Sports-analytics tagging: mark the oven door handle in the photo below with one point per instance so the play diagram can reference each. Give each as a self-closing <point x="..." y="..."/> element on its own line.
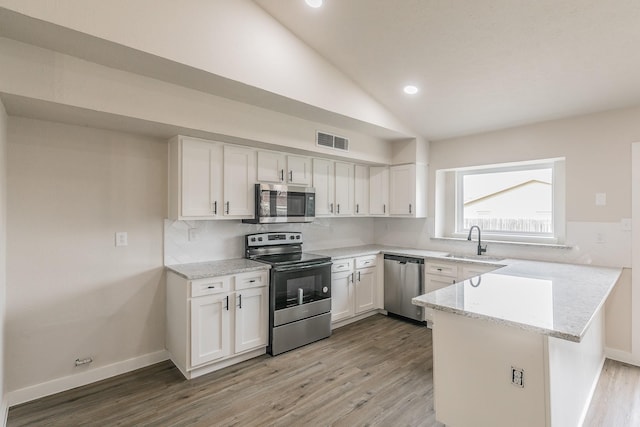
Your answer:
<point x="302" y="267"/>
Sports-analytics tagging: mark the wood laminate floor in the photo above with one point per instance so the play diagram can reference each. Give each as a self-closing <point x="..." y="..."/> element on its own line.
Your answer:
<point x="376" y="372"/>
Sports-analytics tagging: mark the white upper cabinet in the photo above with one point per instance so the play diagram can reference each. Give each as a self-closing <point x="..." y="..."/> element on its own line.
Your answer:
<point x="284" y="169"/>
<point x="361" y="190"/>
<point x="299" y="170"/>
<point x="407" y="194"/>
<point x="323" y="181"/>
<point x="271" y="167"/>
<point x="345" y="188"/>
<point x="379" y="190"/>
<point x="195" y="178"/>
<point x="239" y="181"/>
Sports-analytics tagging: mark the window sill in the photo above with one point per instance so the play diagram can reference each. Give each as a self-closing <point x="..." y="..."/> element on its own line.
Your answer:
<point x="506" y="242"/>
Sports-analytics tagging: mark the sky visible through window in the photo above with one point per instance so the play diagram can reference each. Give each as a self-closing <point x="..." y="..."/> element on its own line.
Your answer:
<point x="509" y="201"/>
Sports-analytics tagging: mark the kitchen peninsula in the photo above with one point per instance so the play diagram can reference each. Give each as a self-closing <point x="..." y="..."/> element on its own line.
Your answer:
<point x="522" y="345"/>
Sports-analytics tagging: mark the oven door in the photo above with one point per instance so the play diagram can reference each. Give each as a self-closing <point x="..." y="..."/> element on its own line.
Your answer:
<point x="300" y="291"/>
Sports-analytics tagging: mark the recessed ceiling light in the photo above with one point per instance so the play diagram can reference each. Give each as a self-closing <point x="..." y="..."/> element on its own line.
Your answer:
<point x="314" y="3"/>
<point x="410" y="90"/>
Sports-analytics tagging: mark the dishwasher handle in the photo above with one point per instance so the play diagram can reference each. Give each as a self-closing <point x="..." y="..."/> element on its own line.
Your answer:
<point x="403" y="259"/>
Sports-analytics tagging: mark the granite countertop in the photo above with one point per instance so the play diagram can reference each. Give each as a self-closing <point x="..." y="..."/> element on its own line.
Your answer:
<point x="355" y="251"/>
<point x="201" y="270"/>
<point x="559" y="300"/>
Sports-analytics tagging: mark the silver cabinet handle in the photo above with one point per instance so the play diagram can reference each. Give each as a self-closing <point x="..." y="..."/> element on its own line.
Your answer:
<point x="331" y="207"/>
<point x="353" y="277"/>
<point x="338" y="208"/>
<point x="281" y="175"/>
<point x="357" y="208"/>
<point x="290" y="176"/>
<point x="409" y="207"/>
<point x="240" y="299"/>
<point x="384" y="208"/>
<point x="359" y="276"/>
<point x="227" y="306"/>
<point x="215" y="207"/>
<point x="228" y="206"/>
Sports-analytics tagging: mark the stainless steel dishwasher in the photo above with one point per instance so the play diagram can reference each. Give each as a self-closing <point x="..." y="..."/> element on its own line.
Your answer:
<point x="403" y="280"/>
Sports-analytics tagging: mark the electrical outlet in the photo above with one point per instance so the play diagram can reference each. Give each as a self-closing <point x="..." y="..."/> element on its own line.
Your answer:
<point x="193" y="234"/>
<point x="517" y="377"/>
<point x="600" y="238"/>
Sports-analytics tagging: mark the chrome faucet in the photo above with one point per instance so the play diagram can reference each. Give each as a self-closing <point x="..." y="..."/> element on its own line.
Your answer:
<point x="481" y="250"/>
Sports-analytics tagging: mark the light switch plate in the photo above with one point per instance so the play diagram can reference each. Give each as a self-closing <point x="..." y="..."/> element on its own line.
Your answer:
<point x="601" y="199"/>
<point x="122" y="239"/>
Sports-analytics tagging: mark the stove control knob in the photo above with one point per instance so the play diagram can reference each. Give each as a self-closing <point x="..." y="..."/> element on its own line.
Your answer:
<point x="298" y="237"/>
<point x="259" y="239"/>
<point x="325" y="290"/>
<point x="292" y="237"/>
<point x="253" y="239"/>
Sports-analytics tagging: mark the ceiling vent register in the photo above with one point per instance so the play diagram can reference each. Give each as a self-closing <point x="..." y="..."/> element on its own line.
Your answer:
<point x="336" y="142"/>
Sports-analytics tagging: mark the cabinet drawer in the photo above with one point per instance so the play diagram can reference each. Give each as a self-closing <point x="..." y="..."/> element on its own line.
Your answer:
<point x="366" y="261"/>
<point x="210" y="285"/>
<point x="252" y="279"/>
<point x="442" y="269"/>
<point x="342" y="265"/>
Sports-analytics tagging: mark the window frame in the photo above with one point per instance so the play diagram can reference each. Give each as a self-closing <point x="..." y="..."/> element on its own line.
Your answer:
<point x="454" y="219"/>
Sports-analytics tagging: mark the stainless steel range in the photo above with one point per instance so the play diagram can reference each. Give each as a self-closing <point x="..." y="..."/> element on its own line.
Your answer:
<point x="299" y="289"/>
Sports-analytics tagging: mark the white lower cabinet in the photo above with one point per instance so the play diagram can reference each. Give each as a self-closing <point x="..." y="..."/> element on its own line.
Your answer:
<point x="210" y="338"/>
<point x="216" y="322"/>
<point x="355" y="287"/>
<point x="440" y="274"/>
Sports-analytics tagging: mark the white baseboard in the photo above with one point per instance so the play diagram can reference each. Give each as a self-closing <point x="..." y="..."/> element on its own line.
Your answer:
<point x="37" y="391"/>
<point x="592" y="391"/>
<point x="621" y="356"/>
<point x="4" y="411"/>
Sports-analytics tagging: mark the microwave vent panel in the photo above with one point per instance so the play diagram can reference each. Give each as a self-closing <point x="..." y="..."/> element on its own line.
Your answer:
<point x="328" y="140"/>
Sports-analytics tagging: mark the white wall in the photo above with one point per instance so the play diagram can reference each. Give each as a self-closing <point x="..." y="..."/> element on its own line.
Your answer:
<point x="71" y="293"/>
<point x="233" y="39"/>
<point x="225" y="239"/>
<point x="3" y="255"/>
<point x="46" y="76"/>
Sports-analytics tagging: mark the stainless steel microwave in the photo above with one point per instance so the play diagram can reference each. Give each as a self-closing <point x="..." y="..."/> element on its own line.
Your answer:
<point x="283" y="203"/>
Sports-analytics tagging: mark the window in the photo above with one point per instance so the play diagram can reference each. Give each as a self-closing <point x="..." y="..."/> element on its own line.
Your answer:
<point x="521" y="202"/>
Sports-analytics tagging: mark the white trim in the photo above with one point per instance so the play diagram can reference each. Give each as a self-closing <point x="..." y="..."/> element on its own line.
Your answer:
<point x="4" y="411"/>
<point x="37" y="391"/>
<point x="635" y="250"/>
<point x="592" y="391"/>
<point x="622" y="356"/>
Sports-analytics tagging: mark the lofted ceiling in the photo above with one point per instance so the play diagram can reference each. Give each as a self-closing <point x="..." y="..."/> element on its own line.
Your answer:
<point x="480" y="65"/>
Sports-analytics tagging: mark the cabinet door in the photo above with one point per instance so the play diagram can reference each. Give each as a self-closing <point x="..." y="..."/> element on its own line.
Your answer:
<point x="271" y="167"/>
<point x="365" y="290"/>
<point x="361" y="190"/>
<point x="345" y="187"/>
<point x="201" y="179"/>
<point x="323" y="180"/>
<point x="379" y="190"/>
<point x="341" y="296"/>
<point x="210" y="337"/>
<point x="251" y="318"/>
<point x="299" y="170"/>
<point x="239" y="180"/>
<point x="402" y="192"/>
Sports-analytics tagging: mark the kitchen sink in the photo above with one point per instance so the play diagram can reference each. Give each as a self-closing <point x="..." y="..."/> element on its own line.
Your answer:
<point x="484" y="258"/>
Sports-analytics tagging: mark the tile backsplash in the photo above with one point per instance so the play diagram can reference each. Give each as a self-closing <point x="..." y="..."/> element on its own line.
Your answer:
<point x="224" y="239"/>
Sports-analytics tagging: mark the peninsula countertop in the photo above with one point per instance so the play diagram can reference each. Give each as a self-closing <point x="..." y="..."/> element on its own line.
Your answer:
<point x="558" y="300"/>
